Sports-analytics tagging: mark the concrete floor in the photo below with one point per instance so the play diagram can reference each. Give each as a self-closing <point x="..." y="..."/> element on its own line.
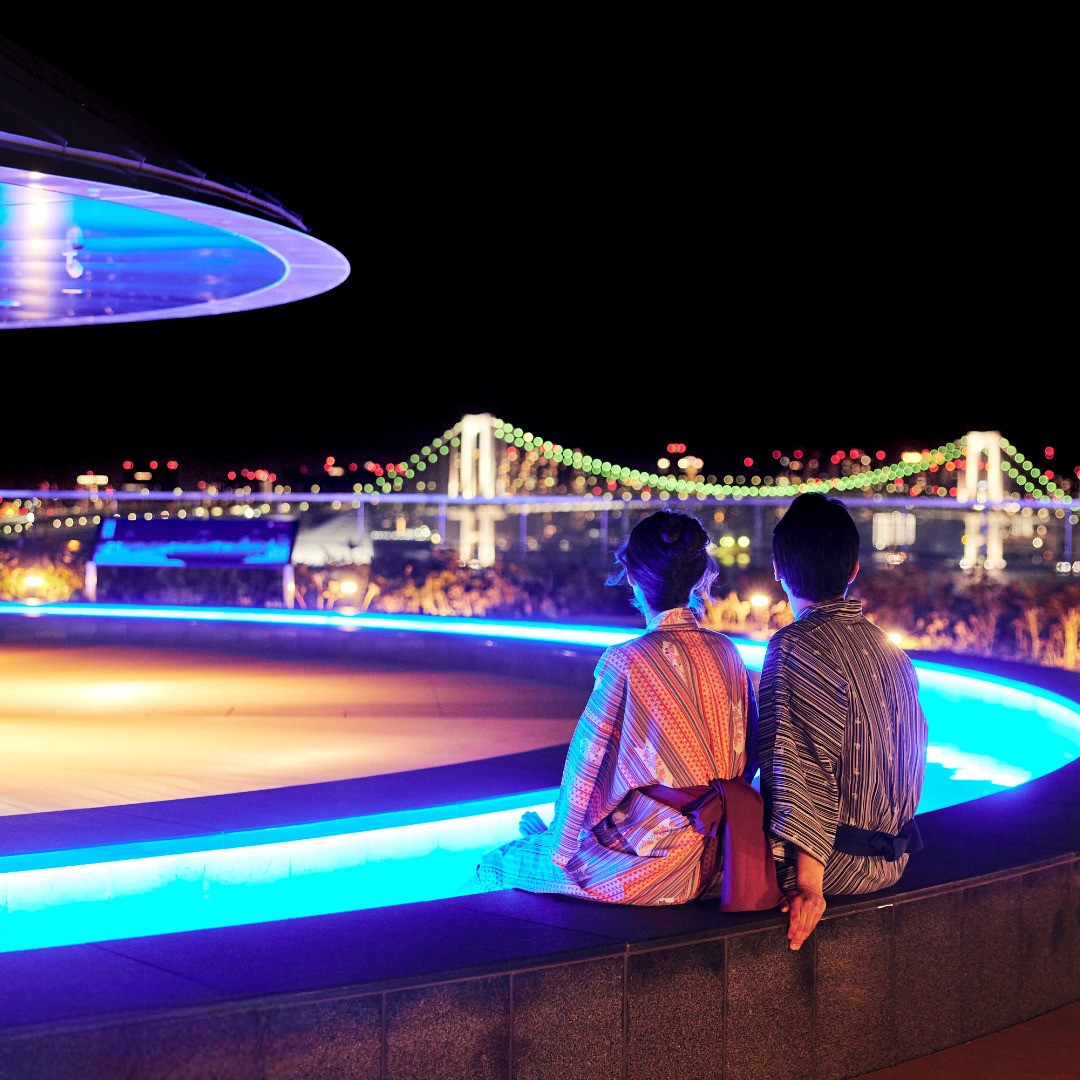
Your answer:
<point x="1045" y="1048"/>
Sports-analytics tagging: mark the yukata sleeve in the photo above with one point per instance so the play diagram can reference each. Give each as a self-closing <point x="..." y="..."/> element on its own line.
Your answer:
<point x="753" y="755"/>
<point x="805" y="703"/>
<point x="589" y="759"/>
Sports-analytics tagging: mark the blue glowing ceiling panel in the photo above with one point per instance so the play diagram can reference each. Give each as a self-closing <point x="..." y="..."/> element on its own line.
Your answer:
<point x="74" y="252"/>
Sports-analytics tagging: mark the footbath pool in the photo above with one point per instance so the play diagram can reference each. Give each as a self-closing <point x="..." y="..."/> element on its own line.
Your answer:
<point x="986" y="734"/>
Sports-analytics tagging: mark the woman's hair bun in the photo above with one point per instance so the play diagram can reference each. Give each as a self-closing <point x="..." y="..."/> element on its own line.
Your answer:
<point x="684" y="530"/>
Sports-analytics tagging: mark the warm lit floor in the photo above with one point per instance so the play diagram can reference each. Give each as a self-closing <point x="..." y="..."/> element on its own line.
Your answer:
<point x="109" y="725"/>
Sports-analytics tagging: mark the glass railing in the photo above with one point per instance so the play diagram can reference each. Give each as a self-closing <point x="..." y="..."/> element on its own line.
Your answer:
<point x="353" y="526"/>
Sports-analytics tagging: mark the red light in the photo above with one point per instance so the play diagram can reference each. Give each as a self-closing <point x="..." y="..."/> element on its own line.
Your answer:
<point x="853" y="454"/>
<point x="1048" y="452"/>
<point x="776" y="455"/>
<point x="129" y="464"/>
<point x="676" y="448"/>
<point x="879" y="455"/>
<point x="748" y="462"/>
<point x="797" y="455"/>
<point x="171" y="465"/>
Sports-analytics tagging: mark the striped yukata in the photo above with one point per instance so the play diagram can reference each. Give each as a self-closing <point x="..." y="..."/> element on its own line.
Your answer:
<point x="673" y="706"/>
<point x="843" y="741"/>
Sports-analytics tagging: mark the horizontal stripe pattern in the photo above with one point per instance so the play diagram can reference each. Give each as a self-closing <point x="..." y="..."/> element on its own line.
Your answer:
<point x="673" y="706"/>
<point x="843" y="740"/>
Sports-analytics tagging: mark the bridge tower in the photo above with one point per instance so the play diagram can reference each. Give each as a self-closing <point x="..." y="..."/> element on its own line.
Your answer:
<point x="983" y="527"/>
<point x="473" y="473"/>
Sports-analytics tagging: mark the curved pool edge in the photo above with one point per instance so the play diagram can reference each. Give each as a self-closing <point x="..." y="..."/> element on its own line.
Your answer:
<point x="981" y="933"/>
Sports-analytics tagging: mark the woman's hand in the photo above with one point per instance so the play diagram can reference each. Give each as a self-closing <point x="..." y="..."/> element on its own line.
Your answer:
<point x="531" y="823"/>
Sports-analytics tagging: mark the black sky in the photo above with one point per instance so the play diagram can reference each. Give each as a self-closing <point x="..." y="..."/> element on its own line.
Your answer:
<point x="609" y="253"/>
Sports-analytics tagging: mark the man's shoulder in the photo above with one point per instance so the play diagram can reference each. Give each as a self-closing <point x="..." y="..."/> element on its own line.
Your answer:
<point x="785" y="641"/>
<point x="792" y="631"/>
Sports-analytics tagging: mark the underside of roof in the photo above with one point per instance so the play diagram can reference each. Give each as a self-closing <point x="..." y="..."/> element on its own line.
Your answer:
<point x="47" y="120"/>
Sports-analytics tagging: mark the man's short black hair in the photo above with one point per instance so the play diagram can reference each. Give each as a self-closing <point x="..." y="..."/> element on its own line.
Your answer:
<point x="816" y="547"/>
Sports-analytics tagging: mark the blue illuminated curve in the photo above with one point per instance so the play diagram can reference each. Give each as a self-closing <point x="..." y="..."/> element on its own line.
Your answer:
<point x="103" y="893"/>
<point x="75" y="252"/>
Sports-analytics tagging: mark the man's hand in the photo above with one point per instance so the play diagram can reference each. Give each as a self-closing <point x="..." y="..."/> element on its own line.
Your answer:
<point x="806" y="906"/>
<point x="805" y="902"/>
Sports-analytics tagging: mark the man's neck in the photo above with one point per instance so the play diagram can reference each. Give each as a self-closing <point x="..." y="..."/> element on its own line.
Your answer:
<point x="799" y="604"/>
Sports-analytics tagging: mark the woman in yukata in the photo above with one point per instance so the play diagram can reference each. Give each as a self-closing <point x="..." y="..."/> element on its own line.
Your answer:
<point x="656" y="805"/>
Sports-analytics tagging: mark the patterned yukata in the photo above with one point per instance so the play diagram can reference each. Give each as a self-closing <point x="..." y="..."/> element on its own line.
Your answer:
<point x="673" y="706"/>
<point x="843" y="741"/>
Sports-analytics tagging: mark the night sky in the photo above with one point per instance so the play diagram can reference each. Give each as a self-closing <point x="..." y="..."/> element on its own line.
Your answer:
<point x="607" y="258"/>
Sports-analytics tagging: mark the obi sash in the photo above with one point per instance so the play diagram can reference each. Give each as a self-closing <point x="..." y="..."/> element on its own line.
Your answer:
<point x="852" y="841"/>
<point x="730" y="812"/>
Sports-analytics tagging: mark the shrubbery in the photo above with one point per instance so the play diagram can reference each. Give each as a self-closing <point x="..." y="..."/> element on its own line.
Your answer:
<point x="975" y="613"/>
